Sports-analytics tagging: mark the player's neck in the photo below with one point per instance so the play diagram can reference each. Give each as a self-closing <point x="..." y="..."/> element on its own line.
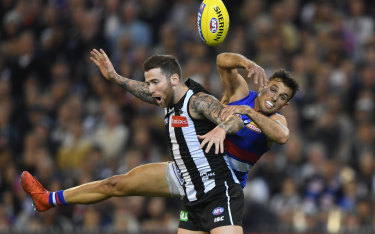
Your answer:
<point x="179" y="92"/>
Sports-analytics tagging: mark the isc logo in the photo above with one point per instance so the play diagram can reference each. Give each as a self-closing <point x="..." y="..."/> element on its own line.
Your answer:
<point x="219" y="219"/>
<point x="218" y="210"/>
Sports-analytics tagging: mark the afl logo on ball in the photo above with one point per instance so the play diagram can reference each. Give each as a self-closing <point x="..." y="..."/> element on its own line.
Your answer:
<point x="213" y="25"/>
<point x="218" y="210"/>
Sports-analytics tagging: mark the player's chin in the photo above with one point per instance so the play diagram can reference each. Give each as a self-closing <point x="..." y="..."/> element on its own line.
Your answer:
<point x="162" y="104"/>
<point x="268" y="110"/>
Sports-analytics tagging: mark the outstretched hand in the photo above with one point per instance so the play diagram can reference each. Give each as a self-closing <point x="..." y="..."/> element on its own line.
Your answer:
<point x="259" y="74"/>
<point x="214" y="137"/>
<point x="101" y="60"/>
<point x="228" y="111"/>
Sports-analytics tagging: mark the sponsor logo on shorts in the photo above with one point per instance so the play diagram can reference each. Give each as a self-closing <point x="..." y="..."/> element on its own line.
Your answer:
<point x="218" y="211"/>
<point x="184" y="216"/>
<point x="219" y="219"/>
<point x="179" y="121"/>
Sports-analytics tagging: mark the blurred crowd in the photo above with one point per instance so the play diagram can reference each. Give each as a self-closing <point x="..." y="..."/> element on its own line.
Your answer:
<point x="63" y="122"/>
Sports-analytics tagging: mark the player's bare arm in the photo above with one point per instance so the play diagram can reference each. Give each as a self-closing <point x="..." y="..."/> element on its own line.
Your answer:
<point x="275" y="126"/>
<point x="207" y="106"/>
<point x="235" y="85"/>
<point x="137" y="88"/>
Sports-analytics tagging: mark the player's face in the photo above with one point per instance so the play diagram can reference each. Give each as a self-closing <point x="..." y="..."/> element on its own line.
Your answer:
<point x="160" y="87"/>
<point x="273" y="97"/>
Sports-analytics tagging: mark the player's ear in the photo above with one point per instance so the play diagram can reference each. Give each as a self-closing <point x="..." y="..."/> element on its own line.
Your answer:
<point x="175" y="79"/>
<point x="286" y="104"/>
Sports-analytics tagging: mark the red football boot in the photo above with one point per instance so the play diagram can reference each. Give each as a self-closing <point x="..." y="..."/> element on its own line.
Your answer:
<point x="38" y="193"/>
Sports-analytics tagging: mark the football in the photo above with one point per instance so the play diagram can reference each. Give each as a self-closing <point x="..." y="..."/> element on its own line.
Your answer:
<point x="213" y="22"/>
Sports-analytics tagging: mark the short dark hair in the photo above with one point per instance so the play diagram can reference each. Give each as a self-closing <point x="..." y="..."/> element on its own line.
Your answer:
<point x="287" y="78"/>
<point x="167" y="63"/>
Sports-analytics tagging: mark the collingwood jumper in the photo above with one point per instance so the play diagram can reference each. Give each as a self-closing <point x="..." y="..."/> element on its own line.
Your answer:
<point x="200" y="171"/>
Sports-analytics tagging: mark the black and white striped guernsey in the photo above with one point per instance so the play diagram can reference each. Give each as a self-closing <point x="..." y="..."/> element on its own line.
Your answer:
<point x="200" y="171"/>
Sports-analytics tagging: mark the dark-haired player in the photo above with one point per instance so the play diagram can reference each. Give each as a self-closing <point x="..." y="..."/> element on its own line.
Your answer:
<point x="259" y="113"/>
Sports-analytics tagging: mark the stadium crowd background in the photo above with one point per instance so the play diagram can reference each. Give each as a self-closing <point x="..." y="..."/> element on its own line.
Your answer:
<point x="62" y="121"/>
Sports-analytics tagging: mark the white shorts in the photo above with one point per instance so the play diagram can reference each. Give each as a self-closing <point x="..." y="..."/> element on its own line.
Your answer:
<point x="174" y="180"/>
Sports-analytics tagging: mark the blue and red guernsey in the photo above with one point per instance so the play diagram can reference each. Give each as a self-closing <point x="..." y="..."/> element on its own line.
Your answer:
<point x="245" y="148"/>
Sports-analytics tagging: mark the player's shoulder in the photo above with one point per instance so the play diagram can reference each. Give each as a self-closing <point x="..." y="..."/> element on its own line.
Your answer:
<point x="203" y="103"/>
<point x="195" y="86"/>
<point x="278" y="117"/>
<point x="201" y="98"/>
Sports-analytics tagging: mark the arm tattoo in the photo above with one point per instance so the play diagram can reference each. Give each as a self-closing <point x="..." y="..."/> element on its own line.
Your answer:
<point x="209" y="107"/>
<point x="137" y="88"/>
<point x="232" y="125"/>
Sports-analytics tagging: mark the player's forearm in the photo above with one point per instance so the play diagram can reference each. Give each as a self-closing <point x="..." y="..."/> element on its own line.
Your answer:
<point x="209" y="107"/>
<point x="232" y="125"/>
<point x="233" y="61"/>
<point x="137" y="88"/>
<point x="272" y="129"/>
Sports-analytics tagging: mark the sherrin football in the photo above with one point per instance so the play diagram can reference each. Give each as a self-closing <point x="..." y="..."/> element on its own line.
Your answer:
<point x="213" y="22"/>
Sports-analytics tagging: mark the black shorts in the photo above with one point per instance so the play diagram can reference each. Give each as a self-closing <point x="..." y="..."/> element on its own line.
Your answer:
<point x="218" y="209"/>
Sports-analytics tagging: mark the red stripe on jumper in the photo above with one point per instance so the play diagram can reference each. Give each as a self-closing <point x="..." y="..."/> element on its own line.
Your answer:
<point x="239" y="153"/>
<point x="57" y="200"/>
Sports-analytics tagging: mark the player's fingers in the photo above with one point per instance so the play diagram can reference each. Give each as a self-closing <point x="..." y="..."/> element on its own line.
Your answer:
<point x="204" y="142"/>
<point x="209" y="145"/>
<point x="201" y="137"/>
<point x="251" y="72"/>
<point x="260" y="79"/>
<point x="222" y="146"/>
<point x="104" y="54"/>
<point x="265" y="78"/>
<point x="226" y="115"/>
<point x="217" y="147"/>
<point x="94" y="54"/>
<point x="95" y="61"/>
<point x="255" y="79"/>
<point x="223" y="114"/>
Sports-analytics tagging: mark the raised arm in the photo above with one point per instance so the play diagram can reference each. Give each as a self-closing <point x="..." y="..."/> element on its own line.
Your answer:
<point x="235" y="85"/>
<point x="274" y="127"/>
<point x="206" y="106"/>
<point x="137" y="88"/>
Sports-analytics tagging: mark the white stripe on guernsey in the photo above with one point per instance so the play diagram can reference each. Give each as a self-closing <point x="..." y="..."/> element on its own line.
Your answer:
<point x="234" y="175"/>
<point x="193" y="144"/>
<point x="179" y="161"/>
<point x="237" y="165"/>
<point x="228" y="201"/>
<point x="54" y="198"/>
